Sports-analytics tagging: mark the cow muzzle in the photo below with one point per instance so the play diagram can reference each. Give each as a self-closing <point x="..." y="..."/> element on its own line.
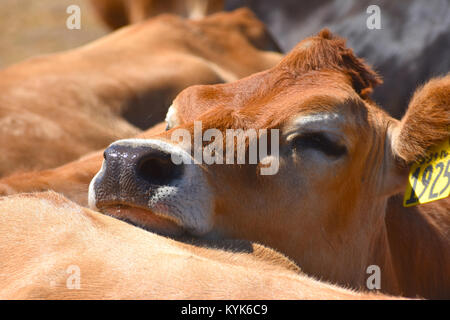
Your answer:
<point x="140" y="182"/>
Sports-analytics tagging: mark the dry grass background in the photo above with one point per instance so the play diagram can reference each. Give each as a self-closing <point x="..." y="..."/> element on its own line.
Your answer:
<point x="33" y="27"/>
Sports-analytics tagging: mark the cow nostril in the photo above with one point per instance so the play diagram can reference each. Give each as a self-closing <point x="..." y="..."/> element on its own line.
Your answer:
<point x="160" y="171"/>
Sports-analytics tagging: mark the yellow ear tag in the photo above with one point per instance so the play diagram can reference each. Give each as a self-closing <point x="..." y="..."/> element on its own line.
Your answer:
<point x="429" y="178"/>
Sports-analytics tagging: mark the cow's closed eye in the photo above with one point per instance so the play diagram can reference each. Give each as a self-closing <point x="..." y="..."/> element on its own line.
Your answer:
<point x="318" y="141"/>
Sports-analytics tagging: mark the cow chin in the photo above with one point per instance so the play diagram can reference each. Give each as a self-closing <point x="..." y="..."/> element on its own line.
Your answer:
<point x="169" y="212"/>
<point x="146" y="219"/>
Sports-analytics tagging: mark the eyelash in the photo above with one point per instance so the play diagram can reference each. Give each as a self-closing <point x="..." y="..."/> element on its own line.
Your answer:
<point x="319" y="142"/>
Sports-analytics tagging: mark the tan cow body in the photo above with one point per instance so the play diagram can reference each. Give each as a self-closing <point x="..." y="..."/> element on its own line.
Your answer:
<point x="46" y="240"/>
<point x="56" y="108"/>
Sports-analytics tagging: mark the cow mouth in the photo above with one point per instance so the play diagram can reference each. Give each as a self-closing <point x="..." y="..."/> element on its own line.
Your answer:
<point x="144" y="218"/>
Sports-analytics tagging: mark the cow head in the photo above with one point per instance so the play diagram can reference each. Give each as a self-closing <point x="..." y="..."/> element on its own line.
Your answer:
<point x="339" y="158"/>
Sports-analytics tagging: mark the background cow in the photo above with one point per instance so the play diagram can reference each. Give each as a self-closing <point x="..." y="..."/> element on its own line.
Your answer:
<point x="119" y="13"/>
<point x="58" y="107"/>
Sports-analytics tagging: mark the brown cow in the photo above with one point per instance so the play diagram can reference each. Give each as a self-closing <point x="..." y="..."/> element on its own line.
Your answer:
<point x="119" y="13"/>
<point x="340" y="159"/>
<point x="46" y="241"/>
<point x="55" y="108"/>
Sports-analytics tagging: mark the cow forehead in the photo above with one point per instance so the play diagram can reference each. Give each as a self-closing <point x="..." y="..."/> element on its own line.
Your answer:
<point x="317" y="107"/>
<point x="265" y="93"/>
<point x="341" y="116"/>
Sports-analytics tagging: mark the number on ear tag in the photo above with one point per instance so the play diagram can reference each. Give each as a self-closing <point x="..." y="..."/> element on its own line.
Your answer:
<point x="429" y="178"/>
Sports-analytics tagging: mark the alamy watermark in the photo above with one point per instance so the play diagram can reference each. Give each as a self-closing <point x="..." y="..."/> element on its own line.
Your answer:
<point x="74" y="279"/>
<point x="374" y="280"/>
<point x="74" y="20"/>
<point x="374" y="20"/>
<point x="241" y="147"/>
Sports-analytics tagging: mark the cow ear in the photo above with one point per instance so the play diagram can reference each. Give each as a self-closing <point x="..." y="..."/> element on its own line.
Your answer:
<point x="426" y="122"/>
<point x="364" y="78"/>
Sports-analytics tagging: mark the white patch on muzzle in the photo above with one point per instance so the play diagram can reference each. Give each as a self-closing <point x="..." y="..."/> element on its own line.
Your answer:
<point x="171" y="117"/>
<point x="91" y="193"/>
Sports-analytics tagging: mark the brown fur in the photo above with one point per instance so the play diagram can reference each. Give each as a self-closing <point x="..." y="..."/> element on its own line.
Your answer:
<point x="426" y="122"/>
<point x="331" y="53"/>
<point x="420" y="238"/>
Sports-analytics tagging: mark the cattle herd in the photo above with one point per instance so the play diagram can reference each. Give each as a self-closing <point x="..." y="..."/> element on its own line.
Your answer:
<point x="88" y="180"/>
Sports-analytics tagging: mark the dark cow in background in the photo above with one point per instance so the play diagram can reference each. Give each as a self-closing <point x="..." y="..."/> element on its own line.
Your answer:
<point x="412" y="46"/>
